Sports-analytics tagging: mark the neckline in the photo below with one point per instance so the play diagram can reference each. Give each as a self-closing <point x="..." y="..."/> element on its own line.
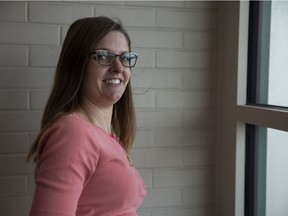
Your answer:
<point x="111" y="135"/>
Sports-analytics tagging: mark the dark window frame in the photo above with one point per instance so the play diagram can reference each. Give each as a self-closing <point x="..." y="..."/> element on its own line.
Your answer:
<point x="257" y="82"/>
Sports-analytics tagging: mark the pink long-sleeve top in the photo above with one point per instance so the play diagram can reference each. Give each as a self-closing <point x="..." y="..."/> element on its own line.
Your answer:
<point x="84" y="171"/>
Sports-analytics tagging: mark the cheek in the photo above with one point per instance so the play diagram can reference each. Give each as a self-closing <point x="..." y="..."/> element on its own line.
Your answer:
<point x="90" y="84"/>
<point x="127" y="75"/>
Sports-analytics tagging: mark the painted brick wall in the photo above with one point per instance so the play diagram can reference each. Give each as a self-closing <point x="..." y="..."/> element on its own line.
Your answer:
<point x="174" y="85"/>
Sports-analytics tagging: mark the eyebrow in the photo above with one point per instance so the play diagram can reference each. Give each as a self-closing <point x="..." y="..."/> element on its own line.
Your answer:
<point x="111" y="50"/>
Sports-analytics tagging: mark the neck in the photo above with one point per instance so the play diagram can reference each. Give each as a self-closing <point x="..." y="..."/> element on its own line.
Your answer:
<point x="99" y="116"/>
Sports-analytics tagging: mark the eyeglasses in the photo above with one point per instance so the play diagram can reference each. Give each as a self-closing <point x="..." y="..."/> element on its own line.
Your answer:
<point x="107" y="58"/>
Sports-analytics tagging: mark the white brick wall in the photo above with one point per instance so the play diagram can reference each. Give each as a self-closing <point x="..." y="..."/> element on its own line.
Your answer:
<point x="173" y="85"/>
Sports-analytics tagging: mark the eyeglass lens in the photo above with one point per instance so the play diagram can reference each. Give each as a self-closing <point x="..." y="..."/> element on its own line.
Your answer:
<point x="107" y="58"/>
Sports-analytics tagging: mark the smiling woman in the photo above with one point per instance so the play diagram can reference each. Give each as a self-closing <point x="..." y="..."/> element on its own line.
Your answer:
<point x="107" y="77"/>
<point x="175" y="90"/>
<point x="88" y="126"/>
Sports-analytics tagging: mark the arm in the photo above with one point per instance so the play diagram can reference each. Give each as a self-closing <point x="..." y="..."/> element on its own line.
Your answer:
<point x="67" y="157"/>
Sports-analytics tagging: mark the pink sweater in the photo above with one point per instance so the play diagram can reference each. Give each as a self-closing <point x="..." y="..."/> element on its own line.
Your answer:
<point x="84" y="171"/>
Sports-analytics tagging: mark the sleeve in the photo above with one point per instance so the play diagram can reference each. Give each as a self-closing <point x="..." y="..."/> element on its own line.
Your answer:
<point x="67" y="157"/>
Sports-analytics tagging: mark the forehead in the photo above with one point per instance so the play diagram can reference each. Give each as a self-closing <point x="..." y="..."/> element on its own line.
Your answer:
<point x="114" y="41"/>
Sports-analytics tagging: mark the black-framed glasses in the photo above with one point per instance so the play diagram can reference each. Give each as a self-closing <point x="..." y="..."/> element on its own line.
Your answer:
<point x="107" y="58"/>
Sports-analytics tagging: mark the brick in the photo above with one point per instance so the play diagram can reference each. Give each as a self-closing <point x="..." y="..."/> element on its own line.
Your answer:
<point x="146" y="58"/>
<point x="148" y="158"/>
<point x="182" y="177"/>
<point x="144" y="99"/>
<point x="198" y="118"/>
<point x="129" y="16"/>
<point x="162" y="198"/>
<point x="153" y="4"/>
<point x="183" y="99"/>
<point x="13" y="56"/>
<point x="206" y="211"/>
<point x="64" y="14"/>
<point x="214" y="98"/>
<point x="14" y="143"/>
<point x="44" y="56"/>
<point x="155" y="78"/>
<point x="25" y="77"/>
<point x="198" y="19"/>
<point x="198" y="196"/>
<point x="156" y="39"/>
<point x="184" y="59"/>
<point x="147" y="176"/>
<point x="13" y="100"/>
<point x="38" y="98"/>
<point x="13" y="186"/>
<point x="152" y="119"/>
<point x="13" y="11"/>
<point x="198" y="80"/>
<point x="64" y="30"/>
<point x="31" y="184"/>
<point x="144" y="139"/>
<point x="15" y="206"/>
<point x="143" y="212"/>
<point x="33" y="135"/>
<point x="199" y="156"/>
<point x="20" y="121"/>
<point x="119" y="3"/>
<point x="199" y="40"/>
<point x="180" y="137"/>
<point x="15" y="165"/>
<point x="202" y="4"/>
<point x="30" y="34"/>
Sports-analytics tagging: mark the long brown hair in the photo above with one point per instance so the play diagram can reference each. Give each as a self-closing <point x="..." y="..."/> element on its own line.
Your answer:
<point x="82" y="37"/>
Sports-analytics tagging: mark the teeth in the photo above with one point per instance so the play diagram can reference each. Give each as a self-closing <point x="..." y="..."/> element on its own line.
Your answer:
<point x="113" y="81"/>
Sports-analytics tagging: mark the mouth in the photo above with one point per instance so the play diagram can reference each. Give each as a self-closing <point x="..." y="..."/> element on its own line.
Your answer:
<point x="113" y="81"/>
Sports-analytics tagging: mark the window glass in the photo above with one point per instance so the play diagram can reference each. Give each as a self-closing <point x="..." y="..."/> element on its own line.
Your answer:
<point x="278" y="56"/>
<point x="276" y="172"/>
<point x="268" y="192"/>
<point x="268" y="53"/>
<point x="266" y="175"/>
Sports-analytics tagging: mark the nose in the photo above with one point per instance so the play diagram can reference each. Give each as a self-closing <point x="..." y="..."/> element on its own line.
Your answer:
<point x="117" y="67"/>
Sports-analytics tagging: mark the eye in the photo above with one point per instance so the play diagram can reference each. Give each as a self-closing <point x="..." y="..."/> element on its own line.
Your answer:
<point x="129" y="59"/>
<point x="125" y="59"/>
<point x="127" y="56"/>
<point x="102" y="55"/>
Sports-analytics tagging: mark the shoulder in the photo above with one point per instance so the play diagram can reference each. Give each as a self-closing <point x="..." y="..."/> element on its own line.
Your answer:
<point x="71" y="122"/>
<point x="70" y="134"/>
<point x="69" y="148"/>
<point x="71" y="125"/>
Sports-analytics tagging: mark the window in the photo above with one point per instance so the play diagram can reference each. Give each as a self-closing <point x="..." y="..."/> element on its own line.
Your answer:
<point x="266" y="183"/>
<point x="268" y="53"/>
<point x="248" y="116"/>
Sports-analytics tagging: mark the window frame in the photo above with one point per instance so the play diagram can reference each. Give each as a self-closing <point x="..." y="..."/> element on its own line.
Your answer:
<point x="233" y="113"/>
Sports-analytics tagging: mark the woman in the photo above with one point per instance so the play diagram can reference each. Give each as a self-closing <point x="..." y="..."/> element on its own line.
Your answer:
<point x="88" y="126"/>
